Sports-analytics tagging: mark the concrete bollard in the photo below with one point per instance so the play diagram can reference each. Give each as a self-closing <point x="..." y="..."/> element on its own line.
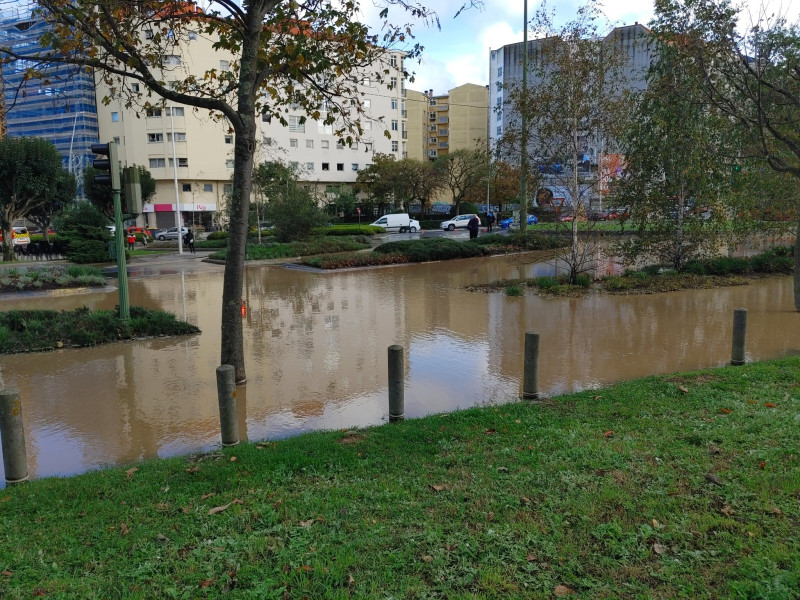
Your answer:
<point x="12" y="436"/>
<point x="739" y="335"/>
<point x="396" y="391"/>
<point x="226" y="393"/>
<point x="530" y="381"/>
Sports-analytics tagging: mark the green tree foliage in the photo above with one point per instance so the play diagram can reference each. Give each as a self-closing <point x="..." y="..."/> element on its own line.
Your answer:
<point x="460" y="171"/>
<point x="64" y="193"/>
<point x="82" y="229"/>
<point x="282" y="53"/>
<point x="99" y="194"/>
<point x="31" y="178"/>
<point x="748" y="67"/>
<point x="290" y="209"/>
<point x="398" y="183"/>
<point x="678" y="182"/>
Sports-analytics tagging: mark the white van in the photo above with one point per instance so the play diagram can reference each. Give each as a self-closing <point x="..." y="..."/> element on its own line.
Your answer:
<point x="397" y="223"/>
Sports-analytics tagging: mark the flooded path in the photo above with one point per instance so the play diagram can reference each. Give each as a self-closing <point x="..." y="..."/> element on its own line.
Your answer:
<point x="316" y="347"/>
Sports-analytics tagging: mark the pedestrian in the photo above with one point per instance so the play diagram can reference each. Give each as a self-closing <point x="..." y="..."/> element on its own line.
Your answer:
<point x="144" y="238"/>
<point x="490" y="220"/>
<point x="473" y="226"/>
<point x="131" y="240"/>
<point x="189" y="239"/>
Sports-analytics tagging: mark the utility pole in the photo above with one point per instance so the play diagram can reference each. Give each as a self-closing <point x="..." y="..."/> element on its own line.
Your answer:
<point x="523" y="165"/>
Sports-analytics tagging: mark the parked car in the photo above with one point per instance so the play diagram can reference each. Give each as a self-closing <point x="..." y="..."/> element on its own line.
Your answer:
<point x="566" y="218"/>
<point x="397" y="223"/>
<point x="457" y="222"/>
<point x="20" y="237"/>
<point x="170" y="234"/>
<point x="600" y="215"/>
<point x="506" y="223"/>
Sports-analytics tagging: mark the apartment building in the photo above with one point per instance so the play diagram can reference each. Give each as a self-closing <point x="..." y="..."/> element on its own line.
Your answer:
<point x="505" y="71"/>
<point x="456" y="120"/>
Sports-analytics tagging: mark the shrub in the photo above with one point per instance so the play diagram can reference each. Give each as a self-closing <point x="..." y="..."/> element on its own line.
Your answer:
<point x="425" y="250"/>
<point x="726" y="265"/>
<point x="772" y="262"/>
<point x="336" y="230"/>
<point x="583" y="280"/>
<point x="217" y="235"/>
<point x="546" y="282"/>
<point x="694" y="267"/>
<point x="513" y="290"/>
<point x="354" y="259"/>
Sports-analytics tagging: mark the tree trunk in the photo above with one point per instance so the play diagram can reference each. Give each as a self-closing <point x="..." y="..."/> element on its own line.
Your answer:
<point x="797" y="264"/>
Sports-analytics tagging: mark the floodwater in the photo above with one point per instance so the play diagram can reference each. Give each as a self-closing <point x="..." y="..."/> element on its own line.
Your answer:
<point x="316" y="347"/>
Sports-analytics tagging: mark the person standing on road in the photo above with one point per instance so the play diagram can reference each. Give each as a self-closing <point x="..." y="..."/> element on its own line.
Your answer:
<point x="189" y="239"/>
<point x="473" y="226"/>
<point x="131" y="240"/>
<point x="490" y="220"/>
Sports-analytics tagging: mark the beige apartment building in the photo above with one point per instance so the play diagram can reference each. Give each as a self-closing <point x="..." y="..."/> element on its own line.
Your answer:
<point x="189" y="151"/>
<point x="452" y="121"/>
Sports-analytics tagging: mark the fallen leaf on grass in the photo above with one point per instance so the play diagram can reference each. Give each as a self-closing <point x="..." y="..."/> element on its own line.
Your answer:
<point x="206" y="583"/>
<point x="490" y="431"/>
<point x="683" y="389"/>
<point x="350" y="580"/>
<point x="609" y="433"/>
<point x="562" y="590"/>
<point x="597" y="398"/>
<point x="711" y="478"/>
<point x="525" y="501"/>
<point x="762" y="465"/>
<point x="437" y="488"/>
<point x="7" y="573"/>
<point x="502" y="469"/>
<point x="162" y="538"/>
<point x="531" y="557"/>
<point x="40" y="592"/>
<point x="656" y="524"/>
<point x="123" y="528"/>
<point x="207" y="496"/>
<point x="219" y="509"/>
<point x="129" y="473"/>
<point x="727" y="511"/>
<point x="193" y="469"/>
<point x="725" y="411"/>
<point x="352" y="438"/>
<point x="308" y="523"/>
<point x="776" y="511"/>
<point x="770" y="405"/>
<point x="714" y="450"/>
<point x="659" y="549"/>
<point x="233" y="459"/>
<point x="427" y="558"/>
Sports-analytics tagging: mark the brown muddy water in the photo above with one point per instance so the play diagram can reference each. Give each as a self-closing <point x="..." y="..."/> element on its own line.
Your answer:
<point x="316" y="347"/>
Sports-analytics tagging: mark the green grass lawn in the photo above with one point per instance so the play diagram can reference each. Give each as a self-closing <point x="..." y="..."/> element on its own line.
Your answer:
<point x="681" y="486"/>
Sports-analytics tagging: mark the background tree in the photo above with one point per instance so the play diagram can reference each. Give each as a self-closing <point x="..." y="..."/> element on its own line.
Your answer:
<point x="31" y="176"/>
<point x="289" y="208"/>
<point x="378" y="182"/>
<point x="461" y="170"/>
<point x="283" y="53"/>
<point x="99" y="194"/>
<point x="675" y="149"/>
<point x="64" y="193"/>
<point x="576" y="96"/>
<point x="83" y="234"/>
<point x="415" y="181"/>
<point x="749" y="71"/>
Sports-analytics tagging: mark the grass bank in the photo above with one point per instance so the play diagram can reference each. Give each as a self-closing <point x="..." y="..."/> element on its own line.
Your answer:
<point x="19" y="278"/>
<point x="36" y="330"/>
<point x="314" y="245"/>
<point x="679" y="486"/>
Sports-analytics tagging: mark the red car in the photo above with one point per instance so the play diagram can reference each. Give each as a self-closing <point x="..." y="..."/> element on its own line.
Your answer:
<point x="566" y="218"/>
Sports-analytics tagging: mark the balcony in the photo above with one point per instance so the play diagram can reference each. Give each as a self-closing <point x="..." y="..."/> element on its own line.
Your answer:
<point x="405" y="135"/>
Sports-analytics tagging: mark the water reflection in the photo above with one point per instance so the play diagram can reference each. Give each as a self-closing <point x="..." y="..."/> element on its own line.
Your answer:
<point x="317" y="353"/>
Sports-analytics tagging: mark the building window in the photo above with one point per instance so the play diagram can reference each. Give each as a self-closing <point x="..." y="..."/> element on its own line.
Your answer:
<point x="432" y="140"/>
<point x="186" y="187"/>
<point x="154" y="138"/>
<point x="326" y="166"/>
<point x="394" y="125"/>
<point x="135" y="87"/>
<point x="293" y="142"/>
<point x="499" y="71"/>
<point x="180" y="136"/>
<point x="156" y="163"/>
<point x="176" y="111"/>
<point x="148" y="34"/>
<point x="170" y="60"/>
<point x="393" y="61"/>
<point x="394" y="103"/>
<point x="182" y="162"/>
<point x="309" y="166"/>
<point x="499" y="130"/>
<point x="324" y="129"/>
<point x="294" y="165"/>
<point x="367" y="125"/>
<point x="340" y="166"/>
<point x="115" y="117"/>
<point x="354" y="166"/>
<point x="208" y="187"/>
<point x="499" y="116"/>
<point x="354" y="146"/>
<point x="443" y="132"/>
<point x="192" y="36"/>
<point x="266" y="140"/>
<point x="229" y="163"/>
<point x="365" y="81"/>
<point x="309" y="143"/>
<point x="228" y="139"/>
<point x="116" y="141"/>
<point x="154" y="112"/>
<point x="325" y="144"/>
<point x="224" y="65"/>
<point x="393" y="83"/>
<point x="297" y="124"/>
<point x="367" y="103"/>
<point x="395" y="146"/>
<point x="432" y="102"/>
<point x="266" y="118"/>
<point x="227" y="189"/>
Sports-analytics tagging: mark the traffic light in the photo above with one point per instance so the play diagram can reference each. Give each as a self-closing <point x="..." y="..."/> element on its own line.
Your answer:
<point x="110" y="164"/>
<point x="132" y="191"/>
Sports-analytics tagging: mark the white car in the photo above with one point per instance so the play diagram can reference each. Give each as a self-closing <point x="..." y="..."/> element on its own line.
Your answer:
<point x="170" y="234"/>
<point x="458" y="222"/>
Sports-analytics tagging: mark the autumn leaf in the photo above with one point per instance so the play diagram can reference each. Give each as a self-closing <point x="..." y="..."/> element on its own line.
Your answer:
<point x="233" y="459"/>
<point x="350" y="580"/>
<point x="207" y="496"/>
<point x="762" y="465"/>
<point x="562" y="590"/>
<point x="597" y="398"/>
<point x="206" y="583"/>
<point x="427" y="558"/>
<point x="725" y="411"/>
<point x="776" y="511"/>
<point x="531" y="557"/>
<point x="727" y="511"/>
<point x="656" y="524"/>
<point x="713" y="450"/>
<point x="308" y="523"/>
<point x="659" y="549"/>
<point x="162" y="538"/>
<point x="502" y="469"/>
<point x="7" y="573"/>
<point x="608" y="434"/>
<point x="770" y="405"/>
<point x="711" y="478"/>
<point x="525" y="501"/>
<point x="437" y="488"/>
<point x="683" y="389"/>
<point x="490" y="431"/>
<point x="305" y="568"/>
<point x="129" y="473"/>
<point x="193" y="469"/>
<point x="123" y="528"/>
<point x="219" y="509"/>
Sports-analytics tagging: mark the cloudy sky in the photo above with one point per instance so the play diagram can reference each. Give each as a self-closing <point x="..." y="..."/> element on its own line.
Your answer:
<point x="459" y="52"/>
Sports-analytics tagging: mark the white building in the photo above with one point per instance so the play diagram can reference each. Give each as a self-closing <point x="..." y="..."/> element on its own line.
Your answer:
<point x="195" y="148"/>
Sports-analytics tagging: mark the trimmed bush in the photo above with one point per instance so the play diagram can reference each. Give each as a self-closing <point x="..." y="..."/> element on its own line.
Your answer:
<point x="425" y="250"/>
